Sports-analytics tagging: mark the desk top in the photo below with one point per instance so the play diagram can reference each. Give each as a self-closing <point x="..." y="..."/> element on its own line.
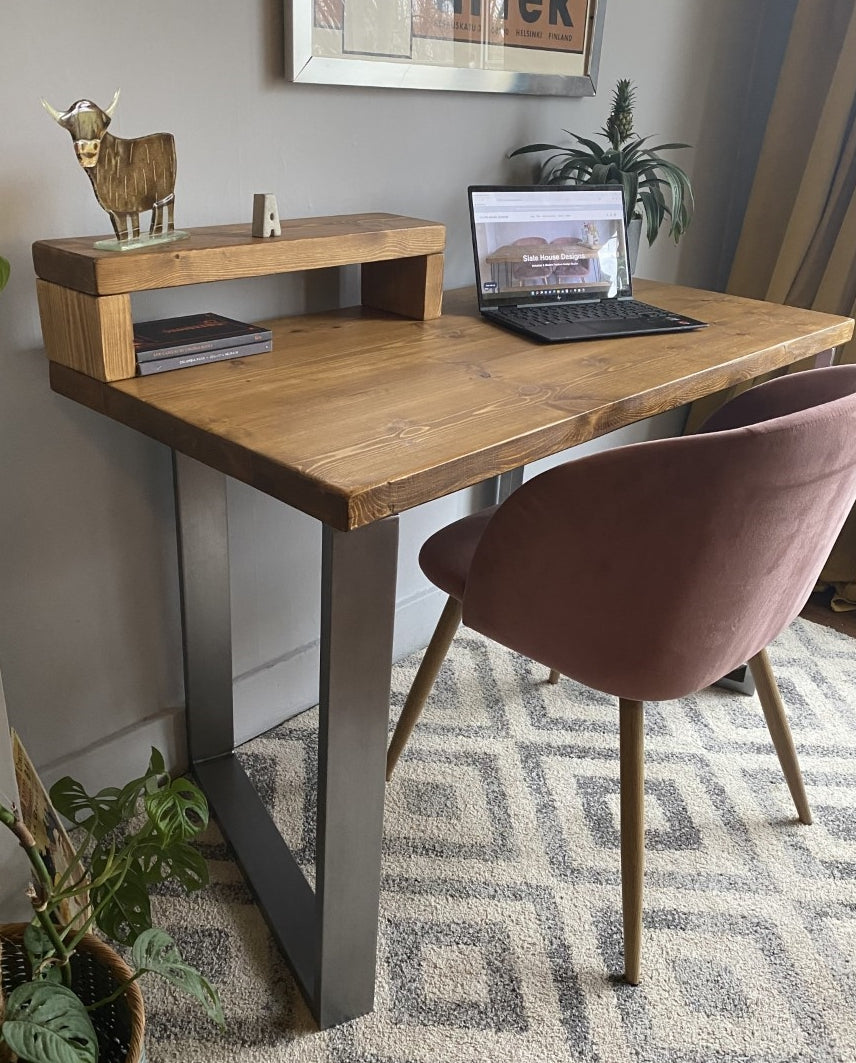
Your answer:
<point x="357" y="414"/>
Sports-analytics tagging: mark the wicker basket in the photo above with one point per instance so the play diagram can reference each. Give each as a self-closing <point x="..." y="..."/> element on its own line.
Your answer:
<point x="96" y="971"/>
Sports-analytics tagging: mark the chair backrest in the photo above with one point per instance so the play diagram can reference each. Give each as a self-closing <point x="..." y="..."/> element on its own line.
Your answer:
<point x="651" y="570"/>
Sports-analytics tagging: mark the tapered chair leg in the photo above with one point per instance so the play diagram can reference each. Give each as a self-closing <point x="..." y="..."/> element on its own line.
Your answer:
<point x="554" y="676"/>
<point x="435" y="654"/>
<point x="632" y="768"/>
<point x="780" y="732"/>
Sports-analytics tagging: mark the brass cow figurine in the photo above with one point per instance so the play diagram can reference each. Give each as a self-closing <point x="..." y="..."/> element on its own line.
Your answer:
<point x="128" y="176"/>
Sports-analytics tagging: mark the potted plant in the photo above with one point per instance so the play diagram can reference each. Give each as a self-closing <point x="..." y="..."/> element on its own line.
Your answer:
<point x="654" y="188"/>
<point x="66" y="988"/>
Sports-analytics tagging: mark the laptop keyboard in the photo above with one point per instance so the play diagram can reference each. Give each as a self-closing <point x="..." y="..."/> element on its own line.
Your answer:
<point x="605" y="310"/>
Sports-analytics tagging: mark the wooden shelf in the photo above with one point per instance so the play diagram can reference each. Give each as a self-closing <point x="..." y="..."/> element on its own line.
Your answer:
<point x="85" y="294"/>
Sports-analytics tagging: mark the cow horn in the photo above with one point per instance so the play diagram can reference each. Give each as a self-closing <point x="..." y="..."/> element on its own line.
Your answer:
<point x="112" y="107"/>
<point x="57" y="117"/>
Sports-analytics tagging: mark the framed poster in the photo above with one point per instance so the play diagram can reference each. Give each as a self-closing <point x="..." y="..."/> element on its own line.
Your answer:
<point x="541" y="47"/>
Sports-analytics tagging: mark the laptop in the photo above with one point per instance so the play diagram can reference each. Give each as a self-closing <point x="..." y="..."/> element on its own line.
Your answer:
<point x="551" y="263"/>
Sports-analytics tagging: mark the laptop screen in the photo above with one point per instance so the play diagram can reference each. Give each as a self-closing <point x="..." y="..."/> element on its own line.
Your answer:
<point x="548" y="244"/>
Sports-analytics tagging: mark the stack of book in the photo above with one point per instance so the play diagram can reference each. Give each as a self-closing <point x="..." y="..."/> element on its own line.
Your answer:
<point x="178" y="342"/>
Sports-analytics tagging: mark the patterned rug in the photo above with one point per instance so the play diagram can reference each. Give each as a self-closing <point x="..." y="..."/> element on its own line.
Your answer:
<point x="500" y="911"/>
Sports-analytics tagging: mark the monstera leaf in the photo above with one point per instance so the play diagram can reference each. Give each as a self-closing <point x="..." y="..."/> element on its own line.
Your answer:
<point x="178" y="811"/>
<point x="123" y="909"/>
<point x="47" y="1023"/>
<point x="179" y="861"/>
<point x="99" y="814"/>
<point x="155" y="951"/>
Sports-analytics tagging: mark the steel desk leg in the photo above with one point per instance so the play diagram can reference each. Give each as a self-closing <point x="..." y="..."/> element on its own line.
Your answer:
<point x="507" y="482"/>
<point x="329" y="936"/>
<point x="203" y="559"/>
<point x="357" y="617"/>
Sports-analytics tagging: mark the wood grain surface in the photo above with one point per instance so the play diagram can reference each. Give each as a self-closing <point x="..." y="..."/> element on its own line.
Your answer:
<point x="229" y="252"/>
<point x="94" y="335"/>
<point x="358" y="414"/>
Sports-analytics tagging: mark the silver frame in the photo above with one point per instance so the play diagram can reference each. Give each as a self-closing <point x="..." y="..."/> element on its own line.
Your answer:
<point x="302" y="66"/>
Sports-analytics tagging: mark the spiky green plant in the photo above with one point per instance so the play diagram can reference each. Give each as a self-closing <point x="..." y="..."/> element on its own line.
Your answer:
<point x="654" y="188"/>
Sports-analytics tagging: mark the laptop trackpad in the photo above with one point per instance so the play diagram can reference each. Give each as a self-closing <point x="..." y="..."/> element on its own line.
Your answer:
<point x="613" y="327"/>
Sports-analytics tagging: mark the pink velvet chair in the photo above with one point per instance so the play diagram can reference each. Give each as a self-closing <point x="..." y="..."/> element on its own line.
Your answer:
<point x="711" y="542"/>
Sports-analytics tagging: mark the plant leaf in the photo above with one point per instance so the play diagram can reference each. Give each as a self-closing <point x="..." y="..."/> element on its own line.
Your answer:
<point x="630" y="184"/>
<point x="155" y="951"/>
<point x="528" y="148"/>
<point x="38" y="946"/>
<point x="600" y="175"/>
<point x="179" y="861"/>
<point x="156" y="763"/>
<point x="177" y="811"/>
<point x="99" y="814"/>
<point x="666" y="147"/>
<point x="127" y="910"/>
<point x="5" y="269"/>
<point x="48" y="1024"/>
<point x="654" y="210"/>
<point x="596" y="149"/>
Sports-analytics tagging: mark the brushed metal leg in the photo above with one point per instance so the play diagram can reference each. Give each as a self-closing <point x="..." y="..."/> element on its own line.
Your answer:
<point x="507" y="482"/>
<point x="203" y="557"/>
<point x="329" y="936"/>
<point x="357" y="617"/>
<point x="826" y="358"/>
<point x="740" y="679"/>
<point x="277" y="882"/>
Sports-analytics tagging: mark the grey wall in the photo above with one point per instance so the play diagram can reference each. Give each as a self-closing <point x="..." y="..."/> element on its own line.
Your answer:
<point x="89" y="628"/>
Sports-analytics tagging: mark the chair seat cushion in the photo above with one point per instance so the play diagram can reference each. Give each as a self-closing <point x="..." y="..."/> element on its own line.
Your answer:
<point x="445" y="557"/>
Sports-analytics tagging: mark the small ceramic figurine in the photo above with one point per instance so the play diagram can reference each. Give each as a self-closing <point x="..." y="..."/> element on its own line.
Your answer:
<point x="128" y="176"/>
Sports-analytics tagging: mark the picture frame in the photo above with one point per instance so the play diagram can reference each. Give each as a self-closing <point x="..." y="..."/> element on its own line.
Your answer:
<point x="534" y="47"/>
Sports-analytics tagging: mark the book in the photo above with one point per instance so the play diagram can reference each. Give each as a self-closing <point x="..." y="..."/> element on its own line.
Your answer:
<point x="169" y="336"/>
<point x="182" y="361"/>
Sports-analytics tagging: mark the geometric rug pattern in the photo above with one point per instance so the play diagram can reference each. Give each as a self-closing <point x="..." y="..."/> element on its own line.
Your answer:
<point x="500" y="932"/>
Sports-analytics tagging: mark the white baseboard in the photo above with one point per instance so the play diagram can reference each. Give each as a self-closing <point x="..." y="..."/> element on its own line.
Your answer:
<point x="415" y="619"/>
<point x="125" y="754"/>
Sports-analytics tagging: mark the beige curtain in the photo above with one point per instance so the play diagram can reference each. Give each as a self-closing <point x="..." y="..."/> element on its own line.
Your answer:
<point x="798" y="241"/>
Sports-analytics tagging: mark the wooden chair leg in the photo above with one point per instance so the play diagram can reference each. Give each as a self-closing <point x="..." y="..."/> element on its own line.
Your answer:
<point x="435" y="654"/>
<point x="632" y="766"/>
<point x="554" y="676"/>
<point x="780" y="732"/>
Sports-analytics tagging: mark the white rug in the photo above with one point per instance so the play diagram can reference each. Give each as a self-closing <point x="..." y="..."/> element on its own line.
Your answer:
<point x="500" y="935"/>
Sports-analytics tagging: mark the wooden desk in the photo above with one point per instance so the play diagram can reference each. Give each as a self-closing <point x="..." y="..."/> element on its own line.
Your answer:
<point x="355" y="416"/>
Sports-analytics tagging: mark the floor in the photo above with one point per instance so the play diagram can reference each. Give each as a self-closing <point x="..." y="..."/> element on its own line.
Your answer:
<point x="817" y="610"/>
